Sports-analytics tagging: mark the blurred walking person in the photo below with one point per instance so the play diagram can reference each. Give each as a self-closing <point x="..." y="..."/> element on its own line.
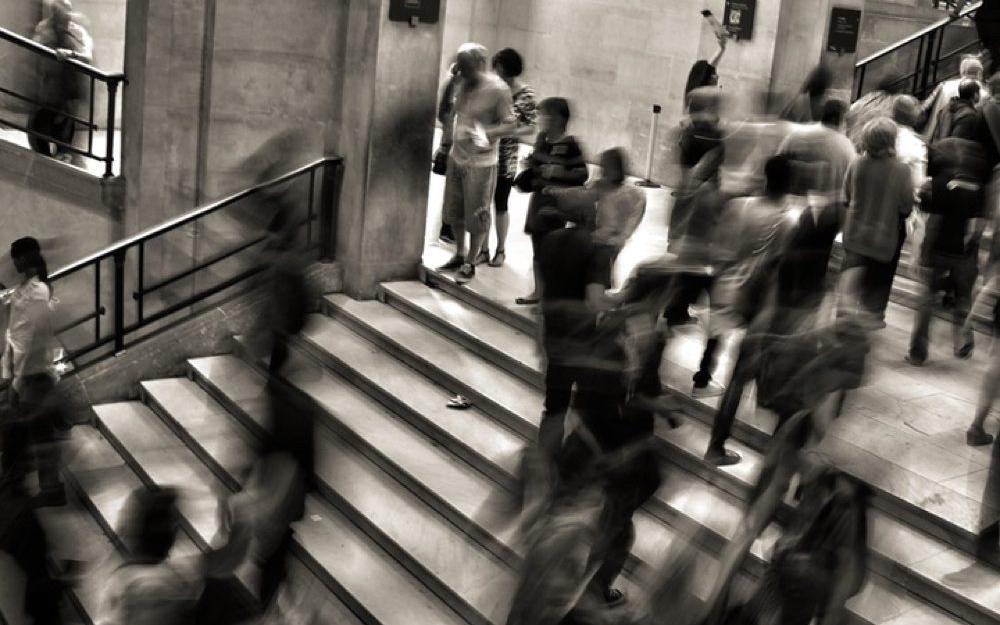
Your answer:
<point x="879" y="194"/>
<point x="61" y="88"/>
<point x="753" y="236"/>
<point x="987" y="19"/>
<point x="955" y="200"/>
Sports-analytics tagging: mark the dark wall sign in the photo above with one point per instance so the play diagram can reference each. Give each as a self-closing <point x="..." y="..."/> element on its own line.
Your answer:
<point x="738" y="18"/>
<point x="845" y="26"/>
<point x="427" y="11"/>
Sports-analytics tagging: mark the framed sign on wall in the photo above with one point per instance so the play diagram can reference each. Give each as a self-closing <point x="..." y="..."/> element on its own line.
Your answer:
<point x="412" y="11"/>
<point x="739" y="17"/>
<point x="845" y="27"/>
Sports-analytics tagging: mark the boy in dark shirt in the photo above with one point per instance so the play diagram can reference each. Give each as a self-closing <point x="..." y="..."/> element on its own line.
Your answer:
<point x="955" y="201"/>
<point x="557" y="161"/>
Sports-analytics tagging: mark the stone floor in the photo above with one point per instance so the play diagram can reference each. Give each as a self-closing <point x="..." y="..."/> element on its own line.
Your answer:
<point x="91" y="166"/>
<point x="912" y="418"/>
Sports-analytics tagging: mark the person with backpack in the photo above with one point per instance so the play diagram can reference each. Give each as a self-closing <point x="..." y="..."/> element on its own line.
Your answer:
<point x="955" y="200"/>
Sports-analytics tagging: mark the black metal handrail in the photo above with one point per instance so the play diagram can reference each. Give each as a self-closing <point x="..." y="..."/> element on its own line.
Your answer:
<point x="111" y="81"/>
<point x="928" y="43"/>
<point x="328" y="169"/>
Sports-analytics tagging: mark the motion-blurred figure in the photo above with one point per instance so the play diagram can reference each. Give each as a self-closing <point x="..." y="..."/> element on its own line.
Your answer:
<point x="28" y="363"/>
<point x="151" y="587"/>
<point x="608" y="206"/>
<point x="935" y="109"/>
<point x="987" y="20"/>
<point x="879" y="193"/>
<point x="61" y="88"/>
<point x="807" y="105"/>
<point x="955" y="200"/>
<point x="23" y="538"/>
<point x="704" y="73"/>
<point x="874" y="104"/>
<point x="754" y="234"/>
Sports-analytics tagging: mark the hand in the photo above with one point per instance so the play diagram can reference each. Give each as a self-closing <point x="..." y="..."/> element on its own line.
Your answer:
<point x="64" y="54"/>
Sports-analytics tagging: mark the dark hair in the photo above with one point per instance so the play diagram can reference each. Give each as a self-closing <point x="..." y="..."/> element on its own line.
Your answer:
<point x="778" y="175"/>
<point x="621" y="161"/>
<point x="555" y="106"/>
<point x="818" y="81"/>
<point x="833" y="112"/>
<point x="509" y="61"/>
<point x="701" y="75"/>
<point x="29" y="249"/>
<point x="968" y="90"/>
<point x="150" y="523"/>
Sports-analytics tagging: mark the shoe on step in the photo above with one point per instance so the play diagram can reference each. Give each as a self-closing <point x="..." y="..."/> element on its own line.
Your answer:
<point x="483" y="257"/>
<point x="722" y="458"/>
<point x="977" y="437"/>
<point x="498" y="259"/>
<point x="465" y="273"/>
<point x="711" y="389"/>
<point x="614" y="597"/>
<point x="454" y="263"/>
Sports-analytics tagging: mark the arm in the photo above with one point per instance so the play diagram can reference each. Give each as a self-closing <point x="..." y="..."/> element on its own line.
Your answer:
<point x="718" y="55"/>
<point x="506" y="123"/>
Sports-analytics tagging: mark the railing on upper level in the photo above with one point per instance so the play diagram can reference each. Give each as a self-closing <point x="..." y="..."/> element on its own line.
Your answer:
<point x="311" y="193"/>
<point x="920" y="61"/>
<point x="85" y="119"/>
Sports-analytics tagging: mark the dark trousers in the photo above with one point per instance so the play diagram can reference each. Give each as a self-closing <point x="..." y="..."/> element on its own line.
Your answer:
<point x="877" y="276"/>
<point x="274" y="570"/>
<point x="29" y="433"/>
<point x="689" y="288"/>
<point x="559" y="381"/>
<point x="25" y="541"/>
<point x="501" y="195"/>
<point x="962" y="270"/>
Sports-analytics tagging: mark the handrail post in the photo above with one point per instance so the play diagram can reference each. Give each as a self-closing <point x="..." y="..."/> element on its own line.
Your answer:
<point x="928" y="62"/>
<point x="119" y="259"/>
<point x="109" y="155"/>
<point x="329" y="202"/>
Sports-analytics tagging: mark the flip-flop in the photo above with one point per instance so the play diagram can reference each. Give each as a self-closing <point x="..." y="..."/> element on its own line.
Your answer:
<point x="459" y="402"/>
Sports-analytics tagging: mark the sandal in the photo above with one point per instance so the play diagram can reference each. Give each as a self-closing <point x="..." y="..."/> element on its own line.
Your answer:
<point x="482" y="258"/>
<point x="459" y="402"/>
<point x="498" y="259"/>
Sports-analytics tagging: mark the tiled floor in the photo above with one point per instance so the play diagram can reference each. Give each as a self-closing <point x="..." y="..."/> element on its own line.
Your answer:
<point x="914" y="418"/>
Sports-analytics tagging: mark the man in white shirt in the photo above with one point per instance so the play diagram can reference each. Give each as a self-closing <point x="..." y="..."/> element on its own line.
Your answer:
<point x="910" y="147"/>
<point x="481" y="116"/>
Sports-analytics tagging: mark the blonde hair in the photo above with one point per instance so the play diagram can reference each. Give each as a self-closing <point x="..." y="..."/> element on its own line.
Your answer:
<point x="878" y="138"/>
<point x="971" y="67"/>
<point x="476" y="51"/>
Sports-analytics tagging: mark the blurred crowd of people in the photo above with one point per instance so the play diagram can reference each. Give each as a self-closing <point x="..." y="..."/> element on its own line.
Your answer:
<point x="888" y="176"/>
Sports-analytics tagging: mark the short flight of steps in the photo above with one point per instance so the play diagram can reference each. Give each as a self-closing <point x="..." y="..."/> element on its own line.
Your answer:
<point x="411" y="519"/>
<point x="447" y="336"/>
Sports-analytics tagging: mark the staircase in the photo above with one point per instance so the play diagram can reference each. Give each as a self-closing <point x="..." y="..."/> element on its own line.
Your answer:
<point x="409" y="524"/>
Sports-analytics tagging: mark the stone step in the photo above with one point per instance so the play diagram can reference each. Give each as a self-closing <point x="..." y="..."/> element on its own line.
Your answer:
<point x="335" y="550"/>
<point x="916" y="498"/>
<point x="395" y="449"/>
<point x="427" y="543"/>
<point x="424" y="349"/>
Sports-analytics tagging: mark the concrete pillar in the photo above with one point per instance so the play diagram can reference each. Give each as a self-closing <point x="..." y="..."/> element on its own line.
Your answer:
<point x="389" y="99"/>
<point x="801" y="44"/>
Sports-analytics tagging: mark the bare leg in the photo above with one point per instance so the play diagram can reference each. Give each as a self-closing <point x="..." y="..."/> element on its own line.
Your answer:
<point x="503" y="226"/>
<point x="475" y="244"/>
<point x="987" y="393"/>
<point x="459" y="230"/>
